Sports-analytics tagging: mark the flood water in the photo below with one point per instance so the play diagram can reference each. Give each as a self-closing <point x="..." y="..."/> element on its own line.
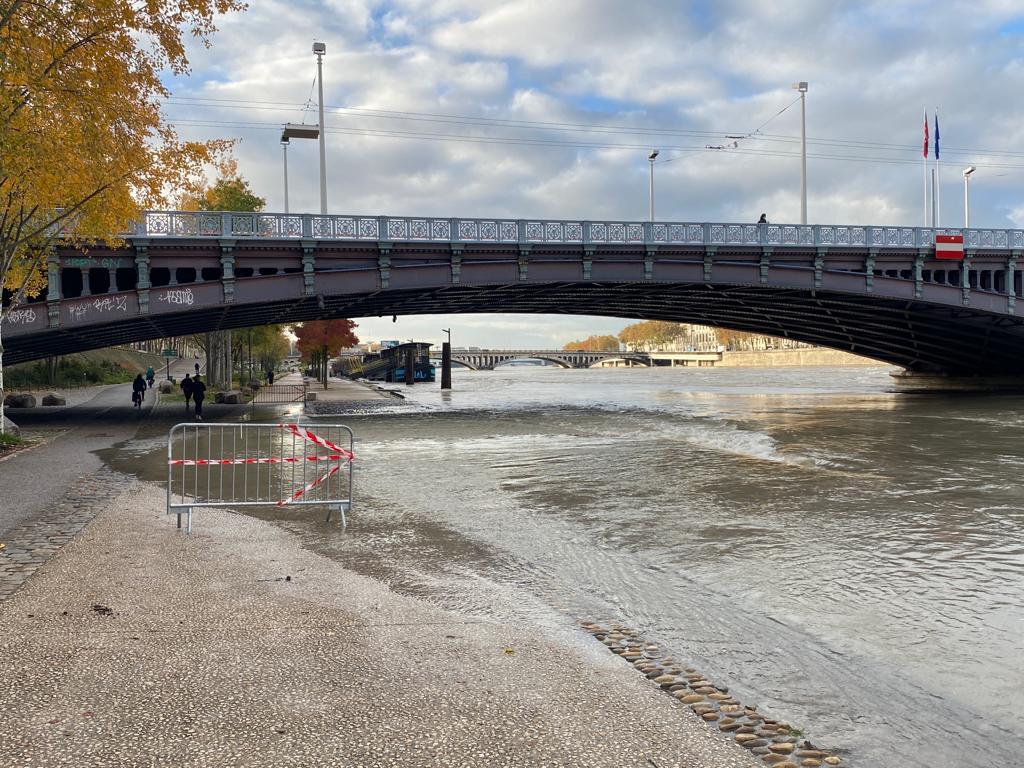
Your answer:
<point x="847" y="558"/>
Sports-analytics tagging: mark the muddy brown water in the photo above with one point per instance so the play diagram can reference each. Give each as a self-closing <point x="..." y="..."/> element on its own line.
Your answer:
<point x="848" y="558"/>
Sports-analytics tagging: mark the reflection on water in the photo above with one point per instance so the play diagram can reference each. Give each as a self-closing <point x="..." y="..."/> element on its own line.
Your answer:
<point x="849" y="558"/>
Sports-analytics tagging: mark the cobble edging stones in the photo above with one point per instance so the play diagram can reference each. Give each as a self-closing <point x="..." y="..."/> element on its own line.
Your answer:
<point x="776" y="743"/>
<point x="32" y="544"/>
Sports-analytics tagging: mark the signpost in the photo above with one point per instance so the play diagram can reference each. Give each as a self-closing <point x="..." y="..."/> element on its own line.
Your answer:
<point x="169" y="353"/>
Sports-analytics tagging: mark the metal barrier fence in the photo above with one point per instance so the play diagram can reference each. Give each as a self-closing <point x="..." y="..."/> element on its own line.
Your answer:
<point x="280" y="393"/>
<point x="236" y="465"/>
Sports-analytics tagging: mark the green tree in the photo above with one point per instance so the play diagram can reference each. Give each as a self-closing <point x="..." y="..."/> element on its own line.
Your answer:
<point x="230" y="192"/>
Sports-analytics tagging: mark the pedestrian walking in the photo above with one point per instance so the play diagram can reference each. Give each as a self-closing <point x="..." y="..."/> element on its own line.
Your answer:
<point x="198" y="394"/>
<point x="186" y="389"/>
<point x="270" y="378"/>
<point x="763" y="219"/>
<point x="138" y="390"/>
<point x="197" y="369"/>
<point x="150" y="376"/>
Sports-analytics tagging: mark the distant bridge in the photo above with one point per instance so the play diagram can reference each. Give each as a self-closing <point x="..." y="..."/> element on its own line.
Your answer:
<point x="486" y="359"/>
<point x="874" y="291"/>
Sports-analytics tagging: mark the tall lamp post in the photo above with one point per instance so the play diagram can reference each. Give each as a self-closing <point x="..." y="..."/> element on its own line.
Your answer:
<point x="650" y="158"/>
<point x="320" y="49"/>
<point x="295" y="131"/>
<point x="284" y="146"/>
<point x="967" y="199"/>
<point x="802" y="87"/>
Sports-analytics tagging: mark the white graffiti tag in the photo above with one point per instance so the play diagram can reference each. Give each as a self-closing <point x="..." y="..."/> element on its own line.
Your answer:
<point x="105" y="304"/>
<point x="21" y="317"/>
<point x="178" y="296"/>
<point x="111" y="304"/>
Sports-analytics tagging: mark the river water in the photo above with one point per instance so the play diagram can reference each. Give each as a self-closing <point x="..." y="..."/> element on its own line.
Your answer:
<point x="847" y="558"/>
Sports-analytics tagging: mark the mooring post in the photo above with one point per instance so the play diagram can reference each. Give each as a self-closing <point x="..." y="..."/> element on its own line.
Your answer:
<point x="410" y="366"/>
<point x="446" y="365"/>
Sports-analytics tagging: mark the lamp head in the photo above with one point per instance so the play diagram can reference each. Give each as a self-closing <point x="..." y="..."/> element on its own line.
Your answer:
<point x="654" y="154"/>
<point x="969" y="170"/>
<point x="801" y="86"/>
<point x="319" y="48"/>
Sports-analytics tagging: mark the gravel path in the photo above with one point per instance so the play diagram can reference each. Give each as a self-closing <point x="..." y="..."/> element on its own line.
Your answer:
<point x="138" y="646"/>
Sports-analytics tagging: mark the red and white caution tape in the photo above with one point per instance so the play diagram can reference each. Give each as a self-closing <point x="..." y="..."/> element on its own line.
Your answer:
<point x="306" y="434"/>
<point x="267" y="460"/>
<point x="299" y="493"/>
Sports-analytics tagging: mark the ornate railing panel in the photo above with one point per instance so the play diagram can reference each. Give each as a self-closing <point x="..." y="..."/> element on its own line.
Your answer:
<point x="204" y="224"/>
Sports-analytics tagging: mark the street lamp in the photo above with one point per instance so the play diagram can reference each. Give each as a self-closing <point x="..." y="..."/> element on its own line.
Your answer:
<point x="294" y="131"/>
<point x="802" y="87"/>
<point x="651" y="157"/>
<point x="967" y="204"/>
<point x="320" y="49"/>
<point x="284" y="146"/>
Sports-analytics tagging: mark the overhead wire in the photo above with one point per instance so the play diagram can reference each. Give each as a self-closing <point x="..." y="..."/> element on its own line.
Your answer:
<point x="266" y="105"/>
<point x="554" y="143"/>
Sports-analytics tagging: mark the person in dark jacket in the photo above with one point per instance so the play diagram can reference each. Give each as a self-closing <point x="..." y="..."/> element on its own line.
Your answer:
<point x="270" y="377"/>
<point x="186" y="389"/>
<point x="763" y="219"/>
<point x="138" y="390"/>
<point x="198" y="394"/>
<point x="150" y="376"/>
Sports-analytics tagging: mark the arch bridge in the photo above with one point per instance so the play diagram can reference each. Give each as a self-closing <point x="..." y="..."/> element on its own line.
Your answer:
<point x="487" y="359"/>
<point x="879" y="292"/>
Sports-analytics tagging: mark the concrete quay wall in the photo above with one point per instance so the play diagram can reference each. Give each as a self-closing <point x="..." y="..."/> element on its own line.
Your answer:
<point x="789" y="358"/>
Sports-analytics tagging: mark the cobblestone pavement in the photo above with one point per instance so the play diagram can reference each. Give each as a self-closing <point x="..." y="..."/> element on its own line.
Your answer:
<point x="34" y="542"/>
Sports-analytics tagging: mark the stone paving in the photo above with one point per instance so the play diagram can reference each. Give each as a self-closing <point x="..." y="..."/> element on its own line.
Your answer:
<point x="32" y="544"/>
<point x="139" y="646"/>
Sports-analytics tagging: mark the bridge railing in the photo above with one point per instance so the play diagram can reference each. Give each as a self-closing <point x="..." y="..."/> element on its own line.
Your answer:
<point x="212" y="224"/>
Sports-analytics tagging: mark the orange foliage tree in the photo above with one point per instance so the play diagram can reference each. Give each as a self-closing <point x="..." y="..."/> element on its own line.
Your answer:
<point x="594" y="344"/>
<point x="83" y="141"/>
<point x="318" y="340"/>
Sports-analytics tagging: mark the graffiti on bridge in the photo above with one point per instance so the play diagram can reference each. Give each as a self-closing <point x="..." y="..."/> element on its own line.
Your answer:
<point x="106" y="304"/>
<point x="178" y="296"/>
<point x="21" y="317"/>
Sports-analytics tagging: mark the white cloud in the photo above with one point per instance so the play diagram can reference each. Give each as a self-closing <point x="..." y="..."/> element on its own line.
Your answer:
<point x="701" y="71"/>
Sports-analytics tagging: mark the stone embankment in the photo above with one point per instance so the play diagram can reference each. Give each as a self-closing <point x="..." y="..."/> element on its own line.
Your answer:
<point x="777" y="744"/>
<point x="792" y="358"/>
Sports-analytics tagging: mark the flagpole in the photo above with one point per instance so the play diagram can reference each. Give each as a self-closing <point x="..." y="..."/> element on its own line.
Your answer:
<point x="924" y="166"/>
<point x="938" y="175"/>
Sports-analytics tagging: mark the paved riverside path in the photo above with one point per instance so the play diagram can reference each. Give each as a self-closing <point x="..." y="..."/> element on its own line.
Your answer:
<point x="32" y="481"/>
<point x="211" y="658"/>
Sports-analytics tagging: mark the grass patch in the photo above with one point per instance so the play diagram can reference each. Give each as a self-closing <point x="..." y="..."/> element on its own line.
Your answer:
<point x="9" y="440"/>
<point x="84" y="369"/>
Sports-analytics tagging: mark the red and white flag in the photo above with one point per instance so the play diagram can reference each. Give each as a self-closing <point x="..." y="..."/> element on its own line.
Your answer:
<point x="949" y="246"/>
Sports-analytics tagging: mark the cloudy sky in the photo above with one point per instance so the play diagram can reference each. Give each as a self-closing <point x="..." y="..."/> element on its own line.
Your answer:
<point x="542" y="108"/>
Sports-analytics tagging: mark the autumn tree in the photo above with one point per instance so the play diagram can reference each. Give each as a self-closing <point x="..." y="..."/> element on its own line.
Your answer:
<point x="649" y="335"/>
<point x="593" y="344"/>
<point x="83" y="142"/>
<point x="319" y="340"/>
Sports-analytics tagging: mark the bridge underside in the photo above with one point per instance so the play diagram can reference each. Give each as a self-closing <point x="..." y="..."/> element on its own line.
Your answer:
<point x="912" y="334"/>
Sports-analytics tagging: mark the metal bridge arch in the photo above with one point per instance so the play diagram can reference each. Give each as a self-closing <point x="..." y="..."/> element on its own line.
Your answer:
<point x="875" y="291"/>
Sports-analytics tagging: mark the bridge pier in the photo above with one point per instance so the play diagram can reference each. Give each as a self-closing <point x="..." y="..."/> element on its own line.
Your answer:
<point x="922" y="382"/>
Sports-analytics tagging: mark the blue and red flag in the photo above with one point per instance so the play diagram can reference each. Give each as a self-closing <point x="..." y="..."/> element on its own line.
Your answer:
<point x="936" y="134"/>
<point x="926" y="133"/>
